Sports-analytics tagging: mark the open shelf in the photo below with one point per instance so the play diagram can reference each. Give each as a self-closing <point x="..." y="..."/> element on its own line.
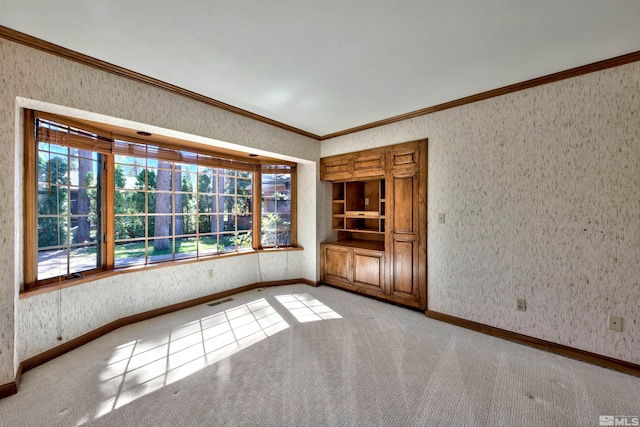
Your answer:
<point x="359" y="206"/>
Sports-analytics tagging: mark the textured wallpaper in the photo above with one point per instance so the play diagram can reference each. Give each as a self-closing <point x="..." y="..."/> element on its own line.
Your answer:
<point x="34" y="79"/>
<point x="8" y="272"/>
<point x="541" y="195"/>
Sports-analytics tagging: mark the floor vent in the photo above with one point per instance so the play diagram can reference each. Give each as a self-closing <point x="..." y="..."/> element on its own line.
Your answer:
<point x="222" y="301"/>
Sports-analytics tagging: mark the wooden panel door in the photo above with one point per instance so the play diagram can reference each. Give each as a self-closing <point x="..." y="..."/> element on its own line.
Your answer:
<point x="336" y="264"/>
<point x="368" y="269"/>
<point x="403" y="243"/>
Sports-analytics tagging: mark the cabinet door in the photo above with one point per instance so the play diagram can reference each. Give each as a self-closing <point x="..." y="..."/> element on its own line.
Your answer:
<point x="335" y="169"/>
<point x="368" y="269"/>
<point x="404" y="282"/>
<point x="369" y="165"/>
<point x="336" y="264"/>
<point x="405" y="158"/>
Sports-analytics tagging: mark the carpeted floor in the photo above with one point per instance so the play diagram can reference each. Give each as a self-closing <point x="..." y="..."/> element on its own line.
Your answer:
<point x="302" y="356"/>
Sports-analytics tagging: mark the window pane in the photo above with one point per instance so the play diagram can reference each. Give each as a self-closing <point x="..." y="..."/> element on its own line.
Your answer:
<point x="160" y="249"/>
<point x="160" y="202"/>
<point x="207" y="182"/>
<point x="129" y="227"/>
<point x="185" y="181"/>
<point x="185" y="202"/>
<point x="244" y="222"/>
<point x="207" y="204"/>
<point x="276" y="210"/>
<point x="43" y="166"/>
<point x="129" y="253"/>
<point x="245" y="187"/>
<point x="130" y="202"/>
<point x="208" y="245"/>
<point x="147" y="179"/>
<point x="243" y="205"/>
<point x="83" y="258"/>
<point x="163" y="177"/>
<point x="185" y="224"/>
<point x="52" y="263"/>
<point x="83" y="171"/>
<point x="130" y="177"/>
<point x="83" y="229"/>
<point x="205" y="223"/>
<point x="227" y="242"/>
<point x="283" y="230"/>
<point x="228" y="222"/>
<point x="52" y="231"/>
<point x="52" y="199"/>
<point x="243" y="240"/>
<point x="228" y="204"/>
<point x="228" y="185"/>
<point x="186" y="247"/>
<point x="160" y="226"/>
<point x="83" y="201"/>
<point x="52" y="168"/>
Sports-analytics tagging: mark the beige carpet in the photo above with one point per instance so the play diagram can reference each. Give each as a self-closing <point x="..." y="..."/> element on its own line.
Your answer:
<point x="302" y="356"/>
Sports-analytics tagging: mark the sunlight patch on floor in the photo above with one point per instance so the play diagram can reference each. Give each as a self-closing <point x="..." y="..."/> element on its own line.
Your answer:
<point x="305" y="308"/>
<point x="140" y="367"/>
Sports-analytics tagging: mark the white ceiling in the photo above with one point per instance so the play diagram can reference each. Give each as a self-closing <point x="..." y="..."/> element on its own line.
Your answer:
<point x="325" y="66"/>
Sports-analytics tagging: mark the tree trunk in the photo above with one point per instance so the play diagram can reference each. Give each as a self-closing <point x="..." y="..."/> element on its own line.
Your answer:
<point x="178" y="187"/>
<point x="162" y="225"/>
<point x="83" y="203"/>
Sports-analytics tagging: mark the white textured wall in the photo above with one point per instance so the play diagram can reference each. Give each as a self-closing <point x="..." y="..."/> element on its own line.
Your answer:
<point x="541" y="191"/>
<point x="30" y="326"/>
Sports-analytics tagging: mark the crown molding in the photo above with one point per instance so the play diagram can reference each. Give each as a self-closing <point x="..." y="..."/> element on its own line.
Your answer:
<point x="528" y="84"/>
<point x="54" y="49"/>
<point x="81" y="58"/>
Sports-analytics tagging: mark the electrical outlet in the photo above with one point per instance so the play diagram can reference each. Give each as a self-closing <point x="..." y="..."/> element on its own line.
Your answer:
<point x="441" y="218"/>
<point x="615" y="323"/>
<point x="521" y="304"/>
<point x="366" y="201"/>
<point x="210" y="273"/>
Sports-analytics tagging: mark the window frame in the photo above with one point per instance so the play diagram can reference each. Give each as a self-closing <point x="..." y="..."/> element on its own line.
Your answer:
<point x="190" y="154"/>
<point x="275" y="170"/>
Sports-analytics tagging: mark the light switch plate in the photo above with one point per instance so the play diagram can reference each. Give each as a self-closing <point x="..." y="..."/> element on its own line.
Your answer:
<point x="441" y="218"/>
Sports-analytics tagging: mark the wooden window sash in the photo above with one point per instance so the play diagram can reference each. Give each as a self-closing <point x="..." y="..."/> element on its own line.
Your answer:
<point x="30" y="202"/>
<point x="294" y="196"/>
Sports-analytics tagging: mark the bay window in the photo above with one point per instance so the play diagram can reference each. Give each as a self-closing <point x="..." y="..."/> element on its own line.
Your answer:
<point x="96" y="202"/>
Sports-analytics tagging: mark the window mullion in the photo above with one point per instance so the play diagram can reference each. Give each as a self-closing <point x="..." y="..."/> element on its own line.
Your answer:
<point x="257" y="211"/>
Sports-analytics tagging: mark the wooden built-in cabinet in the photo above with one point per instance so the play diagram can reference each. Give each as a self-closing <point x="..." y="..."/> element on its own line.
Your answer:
<point x="356" y="265"/>
<point x="379" y="211"/>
